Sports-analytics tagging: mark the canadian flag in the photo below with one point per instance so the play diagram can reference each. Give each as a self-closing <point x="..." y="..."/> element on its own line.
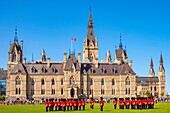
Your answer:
<point x="74" y="39"/>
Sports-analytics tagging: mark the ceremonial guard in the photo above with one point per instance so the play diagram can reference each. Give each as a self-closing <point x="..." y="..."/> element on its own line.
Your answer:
<point x="59" y="105"/>
<point x="79" y="104"/>
<point x="83" y="103"/>
<point x="64" y="105"/>
<point x="56" y="104"/>
<point x="50" y="105"/>
<point x="91" y="103"/>
<point x="75" y="104"/>
<point x="115" y="103"/>
<point x="67" y="104"/>
<point x="71" y="104"/>
<point x="101" y="103"/>
<point x="152" y="103"/>
<point x="46" y="105"/>
<point x="127" y="102"/>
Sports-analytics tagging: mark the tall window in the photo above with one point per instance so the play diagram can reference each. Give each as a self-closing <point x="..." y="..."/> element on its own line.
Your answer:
<point x="103" y="70"/>
<point x="102" y="81"/>
<point x="155" y="88"/>
<point x="42" y="82"/>
<point x="113" y="81"/>
<point x="91" y="81"/>
<point x="19" y="91"/>
<point x="32" y="82"/>
<point x="14" y="57"/>
<point x="82" y="91"/>
<point x="61" y="91"/>
<point x="113" y="91"/>
<point x="53" y="82"/>
<point x="127" y="81"/>
<point x="16" y="91"/>
<point x="82" y="82"/>
<point x="42" y="91"/>
<point x="62" y="81"/>
<point x="127" y="90"/>
<point x="102" y="91"/>
<point x="53" y="91"/>
<point x="18" y="81"/>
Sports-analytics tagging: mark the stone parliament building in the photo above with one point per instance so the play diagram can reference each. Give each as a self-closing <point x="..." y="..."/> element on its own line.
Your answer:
<point x="74" y="78"/>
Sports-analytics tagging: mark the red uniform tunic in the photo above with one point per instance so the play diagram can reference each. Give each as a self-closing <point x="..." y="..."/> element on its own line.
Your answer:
<point x="139" y="102"/>
<point x="114" y="102"/>
<point x="83" y="103"/>
<point x="63" y="104"/>
<point x="46" y="104"/>
<point x="91" y="102"/>
<point x="50" y="104"/>
<point x="133" y="102"/>
<point x="123" y="103"/>
<point x="75" y="103"/>
<point x="70" y="103"/>
<point x="55" y="103"/>
<point x="152" y="102"/>
<point x="101" y="103"/>
<point x="79" y="103"/>
<point x="67" y="103"/>
<point x="127" y="102"/>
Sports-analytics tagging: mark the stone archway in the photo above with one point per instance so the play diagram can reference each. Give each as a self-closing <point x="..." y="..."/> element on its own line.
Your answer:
<point x="72" y="92"/>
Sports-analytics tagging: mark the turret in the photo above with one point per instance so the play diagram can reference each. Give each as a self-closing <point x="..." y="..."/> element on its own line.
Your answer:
<point x="151" y="71"/>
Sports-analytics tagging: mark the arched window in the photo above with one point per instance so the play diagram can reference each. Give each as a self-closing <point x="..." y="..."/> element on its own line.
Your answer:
<point x="82" y="82"/>
<point x="14" y="57"/>
<point x="16" y="91"/>
<point x="103" y="70"/>
<point x="102" y="81"/>
<point x="62" y="81"/>
<point x="155" y="88"/>
<point x="127" y="81"/>
<point x="91" y="81"/>
<point x="53" y="82"/>
<point x="113" y="82"/>
<point x="32" y="82"/>
<point x="61" y="91"/>
<point x="42" y="82"/>
<point x="72" y="80"/>
<point x="18" y="81"/>
<point x="19" y="91"/>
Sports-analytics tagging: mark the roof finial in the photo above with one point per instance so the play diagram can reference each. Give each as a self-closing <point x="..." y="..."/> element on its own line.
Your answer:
<point x="120" y="44"/>
<point x="15" y="38"/>
<point x="161" y="59"/>
<point x="151" y="63"/>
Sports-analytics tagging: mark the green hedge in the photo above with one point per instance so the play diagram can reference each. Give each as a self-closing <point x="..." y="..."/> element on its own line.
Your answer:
<point x="2" y="97"/>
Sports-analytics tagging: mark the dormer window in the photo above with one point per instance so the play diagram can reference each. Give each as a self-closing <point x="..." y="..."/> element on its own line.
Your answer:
<point x="43" y="70"/>
<point x="33" y="70"/>
<point x="103" y="70"/>
<point x="53" y="70"/>
<point x="91" y="70"/>
<point x="14" y="57"/>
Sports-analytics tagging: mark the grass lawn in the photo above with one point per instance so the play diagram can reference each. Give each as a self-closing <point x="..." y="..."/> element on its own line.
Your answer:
<point x="108" y="108"/>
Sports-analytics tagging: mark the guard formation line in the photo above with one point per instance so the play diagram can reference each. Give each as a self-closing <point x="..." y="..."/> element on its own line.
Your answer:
<point x="80" y="104"/>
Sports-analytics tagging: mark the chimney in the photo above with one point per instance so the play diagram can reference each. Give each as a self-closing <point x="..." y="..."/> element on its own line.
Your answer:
<point x="65" y="56"/>
<point x="21" y="44"/>
<point x="79" y="56"/>
<point x="25" y="59"/>
<point x="130" y="63"/>
<point x="48" y="62"/>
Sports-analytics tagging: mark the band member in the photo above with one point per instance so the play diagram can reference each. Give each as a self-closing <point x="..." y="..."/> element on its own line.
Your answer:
<point x="59" y="105"/>
<point x="91" y="103"/>
<point x="46" y="105"/>
<point x="83" y="103"/>
<point x="140" y="104"/>
<point x="79" y="104"/>
<point x="152" y="103"/>
<point x="68" y="104"/>
<point x="101" y="104"/>
<point x="115" y="103"/>
<point x="56" y="104"/>
<point x="127" y="102"/>
<point x="120" y="103"/>
<point x="149" y="103"/>
<point x="64" y="105"/>
<point x="75" y="104"/>
<point x="71" y="104"/>
<point x="50" y="105"/>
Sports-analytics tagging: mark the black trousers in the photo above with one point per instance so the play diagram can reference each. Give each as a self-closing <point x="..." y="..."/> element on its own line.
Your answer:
<point x="46" y="109"/>
<point x="67" y="108"/>
<point x="55" y="108"/>
<point x="114" y="106"/>
<point x="84" y="107"/>
<point x="70" y="107"/>
<point x="101" y="108"/>
<point x="79" y="107"/>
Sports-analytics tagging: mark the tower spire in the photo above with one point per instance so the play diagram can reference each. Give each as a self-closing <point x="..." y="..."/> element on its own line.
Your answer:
<point x="120" y="44"/>
<point x="151" y="72"/>
<point x="90" y="25"/>
<point x="161" y="59"/>
<point x="16" y="38"/>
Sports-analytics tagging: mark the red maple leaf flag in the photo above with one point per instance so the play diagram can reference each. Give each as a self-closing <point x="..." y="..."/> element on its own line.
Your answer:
<point x="74" y="39"/>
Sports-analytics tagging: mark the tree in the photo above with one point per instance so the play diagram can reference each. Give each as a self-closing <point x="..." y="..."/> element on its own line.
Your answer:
<point x="162" y="94"/>
<point x="140" y="93"/>
<point x="147" y="93"/>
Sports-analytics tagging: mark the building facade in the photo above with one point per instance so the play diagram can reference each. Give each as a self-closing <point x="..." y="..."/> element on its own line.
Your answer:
<point x="76" y="78"/>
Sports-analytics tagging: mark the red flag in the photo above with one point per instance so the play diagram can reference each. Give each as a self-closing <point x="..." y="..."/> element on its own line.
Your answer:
<point x="74" y="39"/>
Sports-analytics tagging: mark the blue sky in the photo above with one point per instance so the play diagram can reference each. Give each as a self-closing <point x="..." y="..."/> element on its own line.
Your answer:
<point x="50" y="24"/>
